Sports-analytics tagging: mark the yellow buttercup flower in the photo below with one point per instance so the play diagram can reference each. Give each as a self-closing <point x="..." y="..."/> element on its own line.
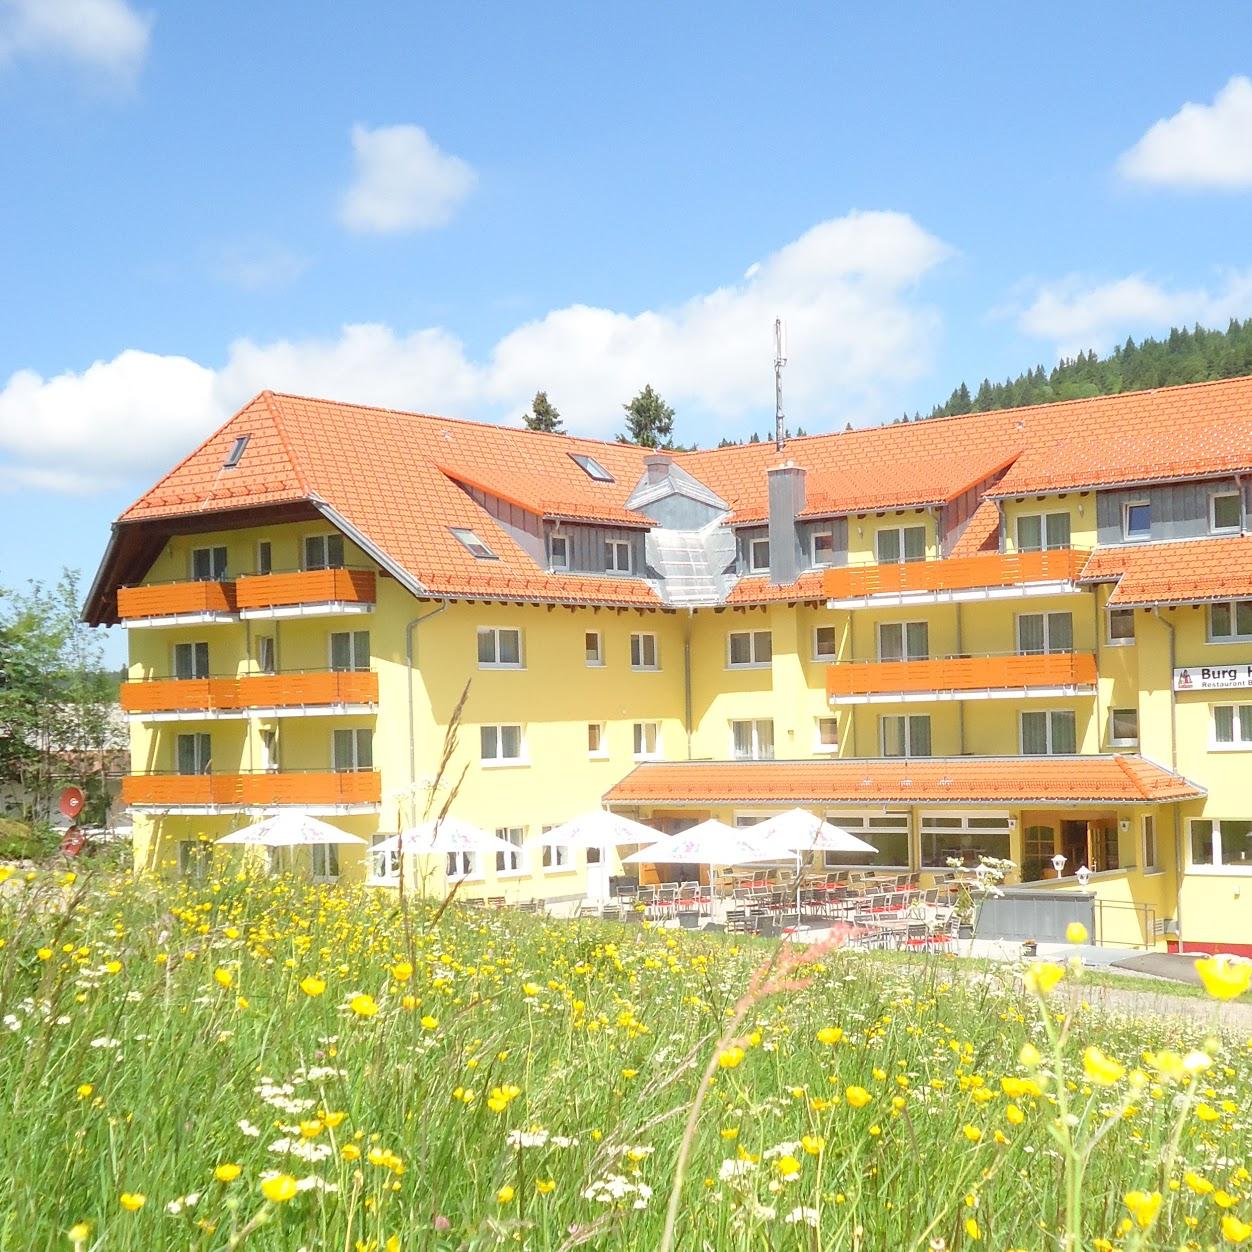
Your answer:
<point x="787" y="1166"/>
<point x="132" y="1201"/>
<point x="402" y="971"/>
<point x="858" y="1097"/>
<point x="545" y="1186"/>
<point x="505" y="1194"/>
<point x="44" y="954"/>
<point x="1235" y="1231"/>
<point x="1223" y="978"/>
<point x="972" y="1230"/>
<point x="1029" y="1057"/>
<point x="363" y="1005"/>
<point x="228" y="1171"/>
<point x="1014" y="1115"/>
<point x="1143" y="1206"/>
<point x="729" y="1058"/>
<point x="312" y="985"/>
<point x="1075" y="932"/>
<point x="112" y="967"/>
<point x="972" y="1133"/>
<point x="430" y="1023"/>
<point x="79" y="1232"/>
<point x="278" y="1189"/>
<point x="830" y="1035"/>
<point x="1198" y="1184"/>
<point x="84" y="1090"/>
<point x="1041" y="977"/>
<point x="812" y="1144"/>
<point x="1102" y="1069"/>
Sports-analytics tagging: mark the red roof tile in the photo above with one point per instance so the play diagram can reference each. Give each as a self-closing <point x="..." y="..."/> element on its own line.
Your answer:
<point x="1186" y="571"/>
<point x="930" y="781"/>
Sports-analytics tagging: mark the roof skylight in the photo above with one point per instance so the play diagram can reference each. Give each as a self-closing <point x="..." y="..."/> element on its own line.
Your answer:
<point x="473" y="544"/>
<point x="592" y="467"/>
<point x="235" y="455"/>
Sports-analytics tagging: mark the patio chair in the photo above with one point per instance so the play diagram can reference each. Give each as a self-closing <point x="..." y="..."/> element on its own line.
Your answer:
<point x="736" y="921"/>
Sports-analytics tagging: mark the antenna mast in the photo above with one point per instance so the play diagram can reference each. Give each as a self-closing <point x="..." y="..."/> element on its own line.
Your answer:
<point x="780" y="359"/>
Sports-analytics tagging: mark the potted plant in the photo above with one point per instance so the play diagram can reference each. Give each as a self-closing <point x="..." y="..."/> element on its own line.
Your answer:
<point x="974" y="883"/>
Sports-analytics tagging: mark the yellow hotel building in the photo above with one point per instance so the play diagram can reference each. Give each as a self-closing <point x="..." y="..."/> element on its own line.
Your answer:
<point x="1021" y="633"/>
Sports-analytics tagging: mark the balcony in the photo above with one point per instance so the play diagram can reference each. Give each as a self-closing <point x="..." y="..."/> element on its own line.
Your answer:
<point x="306" y="593"/>
<point x="988" y="576"/>
<point x="178" y="604"/>
<point x="1006" y="677"/>
<point x="301" y="693"/>
<point x="324" y="792"/>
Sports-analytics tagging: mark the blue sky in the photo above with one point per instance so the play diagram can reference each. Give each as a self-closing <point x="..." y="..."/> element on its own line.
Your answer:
<point x="445" y="207"/>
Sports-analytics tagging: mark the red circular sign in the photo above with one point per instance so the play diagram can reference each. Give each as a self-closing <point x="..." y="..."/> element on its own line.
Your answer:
<point x="73" y="842"/>
<point x="71" y="802"/>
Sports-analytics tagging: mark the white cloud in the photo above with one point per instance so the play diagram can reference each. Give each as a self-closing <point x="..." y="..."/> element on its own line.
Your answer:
<point x="255" y="267"/>
<point x="857" y="332"/>
<point x="1077" y="314"/>
<point x="104" y="35"/>
<point x="404" y="182"/>
<point x="1202" y="145"/>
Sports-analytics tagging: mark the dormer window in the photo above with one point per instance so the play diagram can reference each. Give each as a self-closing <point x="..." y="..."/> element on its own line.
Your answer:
<point x="473" y="544"/>
<point x="235" y="455"/>
<point x="558" y="552"/>
<point x="591" y="467"/>
<point x="758" y="556"/>
<point x="1137" y="520"/>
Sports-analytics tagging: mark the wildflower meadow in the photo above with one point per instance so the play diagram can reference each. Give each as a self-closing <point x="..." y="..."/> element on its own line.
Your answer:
<point x="268" y="1064"/>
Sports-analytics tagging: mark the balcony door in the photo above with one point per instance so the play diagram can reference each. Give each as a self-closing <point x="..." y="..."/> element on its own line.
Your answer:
<point x="194" y="754"/>
<point x="208" y="564"/>
<point x="323" y="552"/>
<point x="1045" y="632"/>
<point x="191" y="660"/>
<point x="903" y="641"/>
<point x="353" y="751"/>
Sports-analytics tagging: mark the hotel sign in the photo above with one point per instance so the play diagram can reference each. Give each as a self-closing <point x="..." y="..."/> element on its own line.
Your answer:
<point x="1212" y="677"/>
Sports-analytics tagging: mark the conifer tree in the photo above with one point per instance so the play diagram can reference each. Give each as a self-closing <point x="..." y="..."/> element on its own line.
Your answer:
<point x="649" y="421"/>
<point x="543" y="415"/>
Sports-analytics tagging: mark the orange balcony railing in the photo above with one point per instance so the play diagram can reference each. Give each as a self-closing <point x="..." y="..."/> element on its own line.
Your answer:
<point x="1012" y="672"/>
<point x="173" y="599"/>
<point x="222" y="695"/>
<point x="307" y="788"/>
<point x="311" y="586"/>
<point x="989" y="569"/>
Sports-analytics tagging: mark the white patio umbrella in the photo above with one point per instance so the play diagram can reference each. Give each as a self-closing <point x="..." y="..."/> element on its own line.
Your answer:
<point x="798" y="831"/>
<point x="710" y="843"/>
<point x="451" y="834"/>
<point x="598" y="829"/>
<point x="290" y="829"/>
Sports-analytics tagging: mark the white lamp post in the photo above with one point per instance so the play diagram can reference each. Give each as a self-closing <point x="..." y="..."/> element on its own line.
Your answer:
<point x="1058" y="863"/>
<point x="1082" y="873"/>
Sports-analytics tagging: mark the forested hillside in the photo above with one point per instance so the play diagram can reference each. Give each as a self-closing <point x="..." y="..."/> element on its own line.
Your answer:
<point x="1184" y="356"/>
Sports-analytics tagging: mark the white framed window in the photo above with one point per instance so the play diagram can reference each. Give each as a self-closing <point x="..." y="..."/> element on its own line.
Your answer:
<point x="266" y="654"/>
<point x="1051" y="732"/>
<point x="964" y="837"/>
<point x="556" y="856"/>
<point x="593" y="647"/>
<point x="1137" y="520"/>
<point x="746" y="820"/>
<point x="826" y="734"/>
<point x="903" y="641"/>
<point x="472" y="544"/>
<point x="352" y="750"/>
<point x="905" y="734"/>
<point x="513" y="862"/>
<point x="1121" y="628"/>
<point x="822" y="547"/>
<point x="825" y="643"/>
<point x="349" y="650"/>
<point x="269" y="749"/>
<point x="324" y="862"/>
<point x="558" y="552"/>
<point x="208" y="565"/>
<point x="264" y="557"/>
<point x="758" y="556"/>
<point x="1230" y="621"/>
<point x="1123" y="728"/>
<point x="461" y="865"/>
<point x="749" y="649"/>
<point x="752" y="740"/>
<point x="1221" y="842"/>
<point x="384" y="867"/>
<point x="591" y="467"/>
<point x="644" y="653"/>
<point x="193" y="754"/>
<point x="323" y="551"/>
<point x="191" y="660"/>
<point x="499" y="647"/>
<point x="1149" y="844"/>
<point x="617" y="556"/>
<point x="501" y="744"/>
<point x="900" y="543"/>
<point x="887" y="832"/>
<point x="1225" y="512"/>
<point x="597" y="739"/>
<point x="647" y="740"/>
<point x="1230" y="727"/>
<point x="1045" y="632"/>
<point x="1036" y="531"/>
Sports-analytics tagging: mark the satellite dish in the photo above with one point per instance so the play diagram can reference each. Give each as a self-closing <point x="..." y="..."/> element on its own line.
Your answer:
<point x="74" y="842"/>
<point x="72" y="801"/>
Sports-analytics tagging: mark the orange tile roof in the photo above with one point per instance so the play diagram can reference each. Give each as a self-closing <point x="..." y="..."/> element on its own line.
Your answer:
<point x="1186" y="571"/>
<point x="757" y="589"/>
<point x="928" y="780"/>
<point x="403" y="479"/>
<point x="981" y="533"/>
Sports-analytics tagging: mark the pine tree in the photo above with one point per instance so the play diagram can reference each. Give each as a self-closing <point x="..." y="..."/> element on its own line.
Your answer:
<point x="543" y="415"/>
<point x="649" y="421"/>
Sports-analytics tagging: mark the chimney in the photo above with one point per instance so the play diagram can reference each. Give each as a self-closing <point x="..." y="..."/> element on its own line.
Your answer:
<point x="786" y="499"/>
<point x="657" y="467"/>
